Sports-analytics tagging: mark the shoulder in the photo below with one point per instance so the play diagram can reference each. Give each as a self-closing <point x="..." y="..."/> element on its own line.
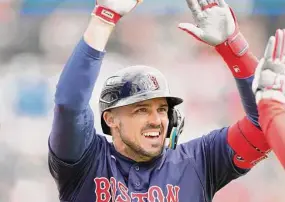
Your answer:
<point x="199" y="152"/>
<point x="99" y="145"/>
<point x="102" y="141"/>
<point x="198" y="149"/>
<point x="198" y="145"/>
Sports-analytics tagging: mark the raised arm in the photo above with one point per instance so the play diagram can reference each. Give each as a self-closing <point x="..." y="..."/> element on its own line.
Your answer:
<point x="217" y="27"/>
<point x="73" y="125"/>
<point x="74" y="145"/>
<point x="269" y="89"/>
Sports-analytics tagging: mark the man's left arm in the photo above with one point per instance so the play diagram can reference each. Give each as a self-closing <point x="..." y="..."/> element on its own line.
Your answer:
<point x="217" y="27"/>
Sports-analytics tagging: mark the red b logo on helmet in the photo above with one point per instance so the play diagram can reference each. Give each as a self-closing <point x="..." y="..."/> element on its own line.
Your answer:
<point x="154" y="82"/>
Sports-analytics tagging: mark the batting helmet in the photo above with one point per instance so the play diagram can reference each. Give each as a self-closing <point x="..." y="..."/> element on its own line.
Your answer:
<point x="139" y="83"/>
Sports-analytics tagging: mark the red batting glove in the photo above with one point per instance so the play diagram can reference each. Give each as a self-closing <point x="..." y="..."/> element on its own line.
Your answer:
<point x="216" y="25"/>
<point x="111" y="11"/>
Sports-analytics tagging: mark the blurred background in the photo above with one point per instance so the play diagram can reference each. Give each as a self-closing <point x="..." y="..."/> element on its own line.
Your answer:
<point x="36" y="39"/>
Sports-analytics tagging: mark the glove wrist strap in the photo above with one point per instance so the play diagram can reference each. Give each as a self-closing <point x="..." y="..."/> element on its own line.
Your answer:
<point x="237" y="44"/>
<point x="107" y="15"/>
<point x="235" y="52"/>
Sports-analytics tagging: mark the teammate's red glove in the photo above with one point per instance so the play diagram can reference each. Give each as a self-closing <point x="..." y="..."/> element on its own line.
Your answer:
<point x="110" y="11"/>
<point x="216" y="26"/>
<point x="269" y="81"/>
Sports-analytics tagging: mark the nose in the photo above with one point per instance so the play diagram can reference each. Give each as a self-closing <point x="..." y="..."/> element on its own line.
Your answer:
<point x="154" y="118"/>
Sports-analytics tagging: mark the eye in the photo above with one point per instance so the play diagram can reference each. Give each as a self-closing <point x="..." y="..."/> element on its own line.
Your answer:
<point x="162" y="109"/>
<point x="141" y="110"/>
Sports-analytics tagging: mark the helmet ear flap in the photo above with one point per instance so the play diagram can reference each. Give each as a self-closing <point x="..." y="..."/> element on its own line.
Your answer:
<point x="172" y="121"/>
<point x="175" y="127"/>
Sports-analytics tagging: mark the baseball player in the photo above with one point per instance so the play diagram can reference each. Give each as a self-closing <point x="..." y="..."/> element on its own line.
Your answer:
<point x="139" y="113"/>
<point x="269" y="89"/>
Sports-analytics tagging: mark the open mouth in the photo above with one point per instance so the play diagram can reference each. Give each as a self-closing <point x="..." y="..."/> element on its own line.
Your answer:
<point x="151" y="135"/>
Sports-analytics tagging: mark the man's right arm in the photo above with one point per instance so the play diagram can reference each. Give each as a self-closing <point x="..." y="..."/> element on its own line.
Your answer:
<point x="73" y="142"/>
<point x="73" y="125"/>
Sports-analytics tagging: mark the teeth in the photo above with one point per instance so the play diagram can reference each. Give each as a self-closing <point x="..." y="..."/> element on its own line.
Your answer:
<point x="152" y="134"/>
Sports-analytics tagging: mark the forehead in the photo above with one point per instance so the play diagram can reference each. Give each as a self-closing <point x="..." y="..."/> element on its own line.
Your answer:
<point x="158" y="102"/>
<point x="150" y="102"/>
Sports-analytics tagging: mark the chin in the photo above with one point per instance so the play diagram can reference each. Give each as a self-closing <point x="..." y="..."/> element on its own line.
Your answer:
<point x="153" y="152"/>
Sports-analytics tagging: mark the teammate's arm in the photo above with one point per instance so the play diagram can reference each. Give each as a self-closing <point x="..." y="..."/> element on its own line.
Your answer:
<point x="269" y="89"/>
<point x="272" y="119"/>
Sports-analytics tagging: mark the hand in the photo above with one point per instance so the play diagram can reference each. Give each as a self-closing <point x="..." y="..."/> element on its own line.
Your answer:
<point x="110" y="11"/>
<point x="269" y="81"/>
<point x="215" y="21"/>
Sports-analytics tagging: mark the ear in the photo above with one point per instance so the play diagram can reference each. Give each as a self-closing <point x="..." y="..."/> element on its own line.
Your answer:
<point x="110" y="119"/>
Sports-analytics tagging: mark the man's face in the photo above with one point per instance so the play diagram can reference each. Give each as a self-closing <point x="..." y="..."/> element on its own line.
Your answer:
<point x="140" y="128"/>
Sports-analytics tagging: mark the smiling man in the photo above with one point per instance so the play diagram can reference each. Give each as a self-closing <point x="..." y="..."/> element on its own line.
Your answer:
<point x="135" y="104"/>
<point x="139" y="129"/>
<point x="139" y="112"/>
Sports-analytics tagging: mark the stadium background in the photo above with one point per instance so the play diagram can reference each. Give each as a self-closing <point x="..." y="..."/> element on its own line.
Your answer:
<point x="36" y="38"/>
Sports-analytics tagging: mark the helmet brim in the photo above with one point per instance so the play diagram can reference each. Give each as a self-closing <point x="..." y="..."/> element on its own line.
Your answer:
<point x="171" y="100"/>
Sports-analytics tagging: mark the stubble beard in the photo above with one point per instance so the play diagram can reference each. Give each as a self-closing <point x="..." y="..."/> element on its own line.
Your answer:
<point x="136" y="150"/>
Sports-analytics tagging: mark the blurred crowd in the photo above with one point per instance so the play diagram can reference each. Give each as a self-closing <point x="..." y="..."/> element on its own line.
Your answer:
<point x="36" y="39"/>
